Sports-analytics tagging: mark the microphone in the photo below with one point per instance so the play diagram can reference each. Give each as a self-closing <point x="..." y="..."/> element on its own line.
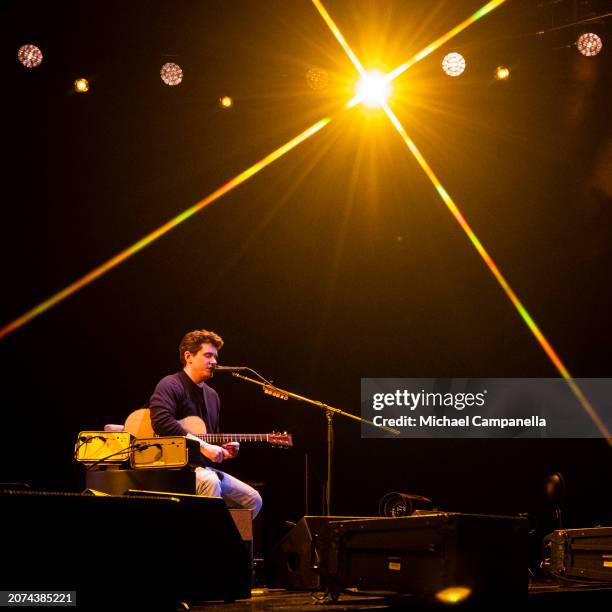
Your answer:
<point x="229" y="368"/>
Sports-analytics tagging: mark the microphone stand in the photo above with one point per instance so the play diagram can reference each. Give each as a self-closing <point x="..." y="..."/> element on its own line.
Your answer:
<point x="330" y="411"/>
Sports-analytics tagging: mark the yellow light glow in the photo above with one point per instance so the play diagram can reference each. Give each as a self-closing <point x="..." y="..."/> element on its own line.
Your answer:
<point x="453" y="595"/>
<point x="81" y="85"/>
<point x="373" y="89"/>
<point x="502" y="73"/>
<point x="226" y="102"/>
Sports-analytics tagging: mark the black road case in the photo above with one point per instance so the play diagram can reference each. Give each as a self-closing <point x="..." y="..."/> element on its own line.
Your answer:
<point x="426" y="554"/>
<point x="580" y="553"/>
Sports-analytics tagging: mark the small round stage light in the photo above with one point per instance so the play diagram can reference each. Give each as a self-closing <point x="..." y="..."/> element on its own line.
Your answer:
<point x="30" y="56"/>
<point x="502" y="73"/>
<point x="81" y="85"/>
<point x="453" y="64"/>
<point x="171" y="74"/>
<point x="589" y="44"/>
<point x="373" y="88"/>
<point x="317" y="78"/>
<point x="226" y="102"/>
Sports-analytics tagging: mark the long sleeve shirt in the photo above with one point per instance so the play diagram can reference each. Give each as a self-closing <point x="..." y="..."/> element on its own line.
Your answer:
<point x="175" y="397"/>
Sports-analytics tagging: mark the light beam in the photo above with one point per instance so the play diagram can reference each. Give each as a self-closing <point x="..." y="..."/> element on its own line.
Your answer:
<point x="339" y="37"/>
<point x="160" y="231"/>
<point x="436" y="44"/>
<point x="531" y="324"/>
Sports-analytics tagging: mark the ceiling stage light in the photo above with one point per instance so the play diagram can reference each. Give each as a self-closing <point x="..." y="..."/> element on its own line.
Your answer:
<point x="502" y="73"/>
<point x="317" y="78"/>
<point x="171" y="74"/>
<point x="374" y="89"/>
<point x="81" y="85"/>
<point x="30" y="56"/>
<point x="226" y="102"/>
<point x="589" y="44"/>
<point x="453" y="64"/>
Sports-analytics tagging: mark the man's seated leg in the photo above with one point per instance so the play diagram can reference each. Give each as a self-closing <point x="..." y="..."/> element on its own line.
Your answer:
<point x="207" y="482"/>
<point x="236" y="492"/>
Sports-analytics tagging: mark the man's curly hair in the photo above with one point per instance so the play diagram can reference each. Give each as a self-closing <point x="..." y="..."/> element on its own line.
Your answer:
<point x="193" y="340"/>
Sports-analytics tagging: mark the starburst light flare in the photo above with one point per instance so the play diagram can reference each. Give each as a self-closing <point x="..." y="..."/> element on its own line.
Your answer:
<point x="373" y="89"/>
<point x="339" y="37"/>
<point x="542" y="340"/>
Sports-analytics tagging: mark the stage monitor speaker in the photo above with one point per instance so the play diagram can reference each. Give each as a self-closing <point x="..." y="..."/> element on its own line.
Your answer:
<point x="290" y="564"/>
<point x="141" y="552"/>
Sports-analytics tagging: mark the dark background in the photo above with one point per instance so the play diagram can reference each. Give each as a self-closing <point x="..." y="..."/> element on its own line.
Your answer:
<point x="337" y="262"/>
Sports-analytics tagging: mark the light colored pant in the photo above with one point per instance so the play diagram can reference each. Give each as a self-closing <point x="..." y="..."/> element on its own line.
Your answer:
<point x="216" y="483"/>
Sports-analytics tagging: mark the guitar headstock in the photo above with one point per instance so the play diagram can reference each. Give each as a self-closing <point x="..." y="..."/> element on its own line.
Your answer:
<point x="284" y="439"/>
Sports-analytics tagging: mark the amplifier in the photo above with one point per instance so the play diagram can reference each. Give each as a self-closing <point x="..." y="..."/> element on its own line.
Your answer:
<point x="164" y="452"/>
<point x="103" y="446"/>
<point x="432" y="556"/>
<point x="584" y="554"/>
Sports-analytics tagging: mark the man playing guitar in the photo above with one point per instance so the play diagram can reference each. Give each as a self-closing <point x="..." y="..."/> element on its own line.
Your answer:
<point x="186" y="394"/>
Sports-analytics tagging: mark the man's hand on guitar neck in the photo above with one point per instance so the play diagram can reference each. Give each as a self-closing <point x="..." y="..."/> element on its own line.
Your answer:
<point x="232" y="448"/>
<point x="215" y="453"/>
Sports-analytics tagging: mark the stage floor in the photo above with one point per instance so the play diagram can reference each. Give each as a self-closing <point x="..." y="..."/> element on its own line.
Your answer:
<point x="541" y="597"/>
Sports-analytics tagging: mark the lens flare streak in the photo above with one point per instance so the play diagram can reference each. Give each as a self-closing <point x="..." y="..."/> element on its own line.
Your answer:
<point x="339" y="36"/>
<point x="154" y="235"/>
<point x="123" y="255"/>
<point x="436" y="44"/>
<point x="531" y="324"/>
<point x="249" y="172"/>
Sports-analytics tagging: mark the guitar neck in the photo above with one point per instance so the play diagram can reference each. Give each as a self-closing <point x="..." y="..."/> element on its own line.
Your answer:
<point x="233" y="437"/>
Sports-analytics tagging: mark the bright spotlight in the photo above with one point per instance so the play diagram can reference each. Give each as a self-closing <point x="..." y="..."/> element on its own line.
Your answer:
<point x="374" y="89"/>
<point x="589" y="44"/>
<point x="226" y="102"/>
<point x="453" y="64"/>
<point x="171" y="74"/>
<point x="502" y="73"/>
<point x="81" y="85"/>
<point x="30" y="56"/>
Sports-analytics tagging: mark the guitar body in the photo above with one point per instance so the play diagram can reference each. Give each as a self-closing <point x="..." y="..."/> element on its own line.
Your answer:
<point x="139" y="424"/>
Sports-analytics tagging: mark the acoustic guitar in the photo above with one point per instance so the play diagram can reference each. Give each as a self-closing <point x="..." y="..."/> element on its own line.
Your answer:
<point x="139" y="425"/>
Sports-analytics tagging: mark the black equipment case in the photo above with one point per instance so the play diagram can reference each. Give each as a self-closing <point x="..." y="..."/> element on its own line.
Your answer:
<point x="584" y="554"/>
<point x="426" y="554"/>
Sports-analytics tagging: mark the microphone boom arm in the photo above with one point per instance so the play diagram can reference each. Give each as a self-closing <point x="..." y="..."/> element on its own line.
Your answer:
<point x="330" y="411"/>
